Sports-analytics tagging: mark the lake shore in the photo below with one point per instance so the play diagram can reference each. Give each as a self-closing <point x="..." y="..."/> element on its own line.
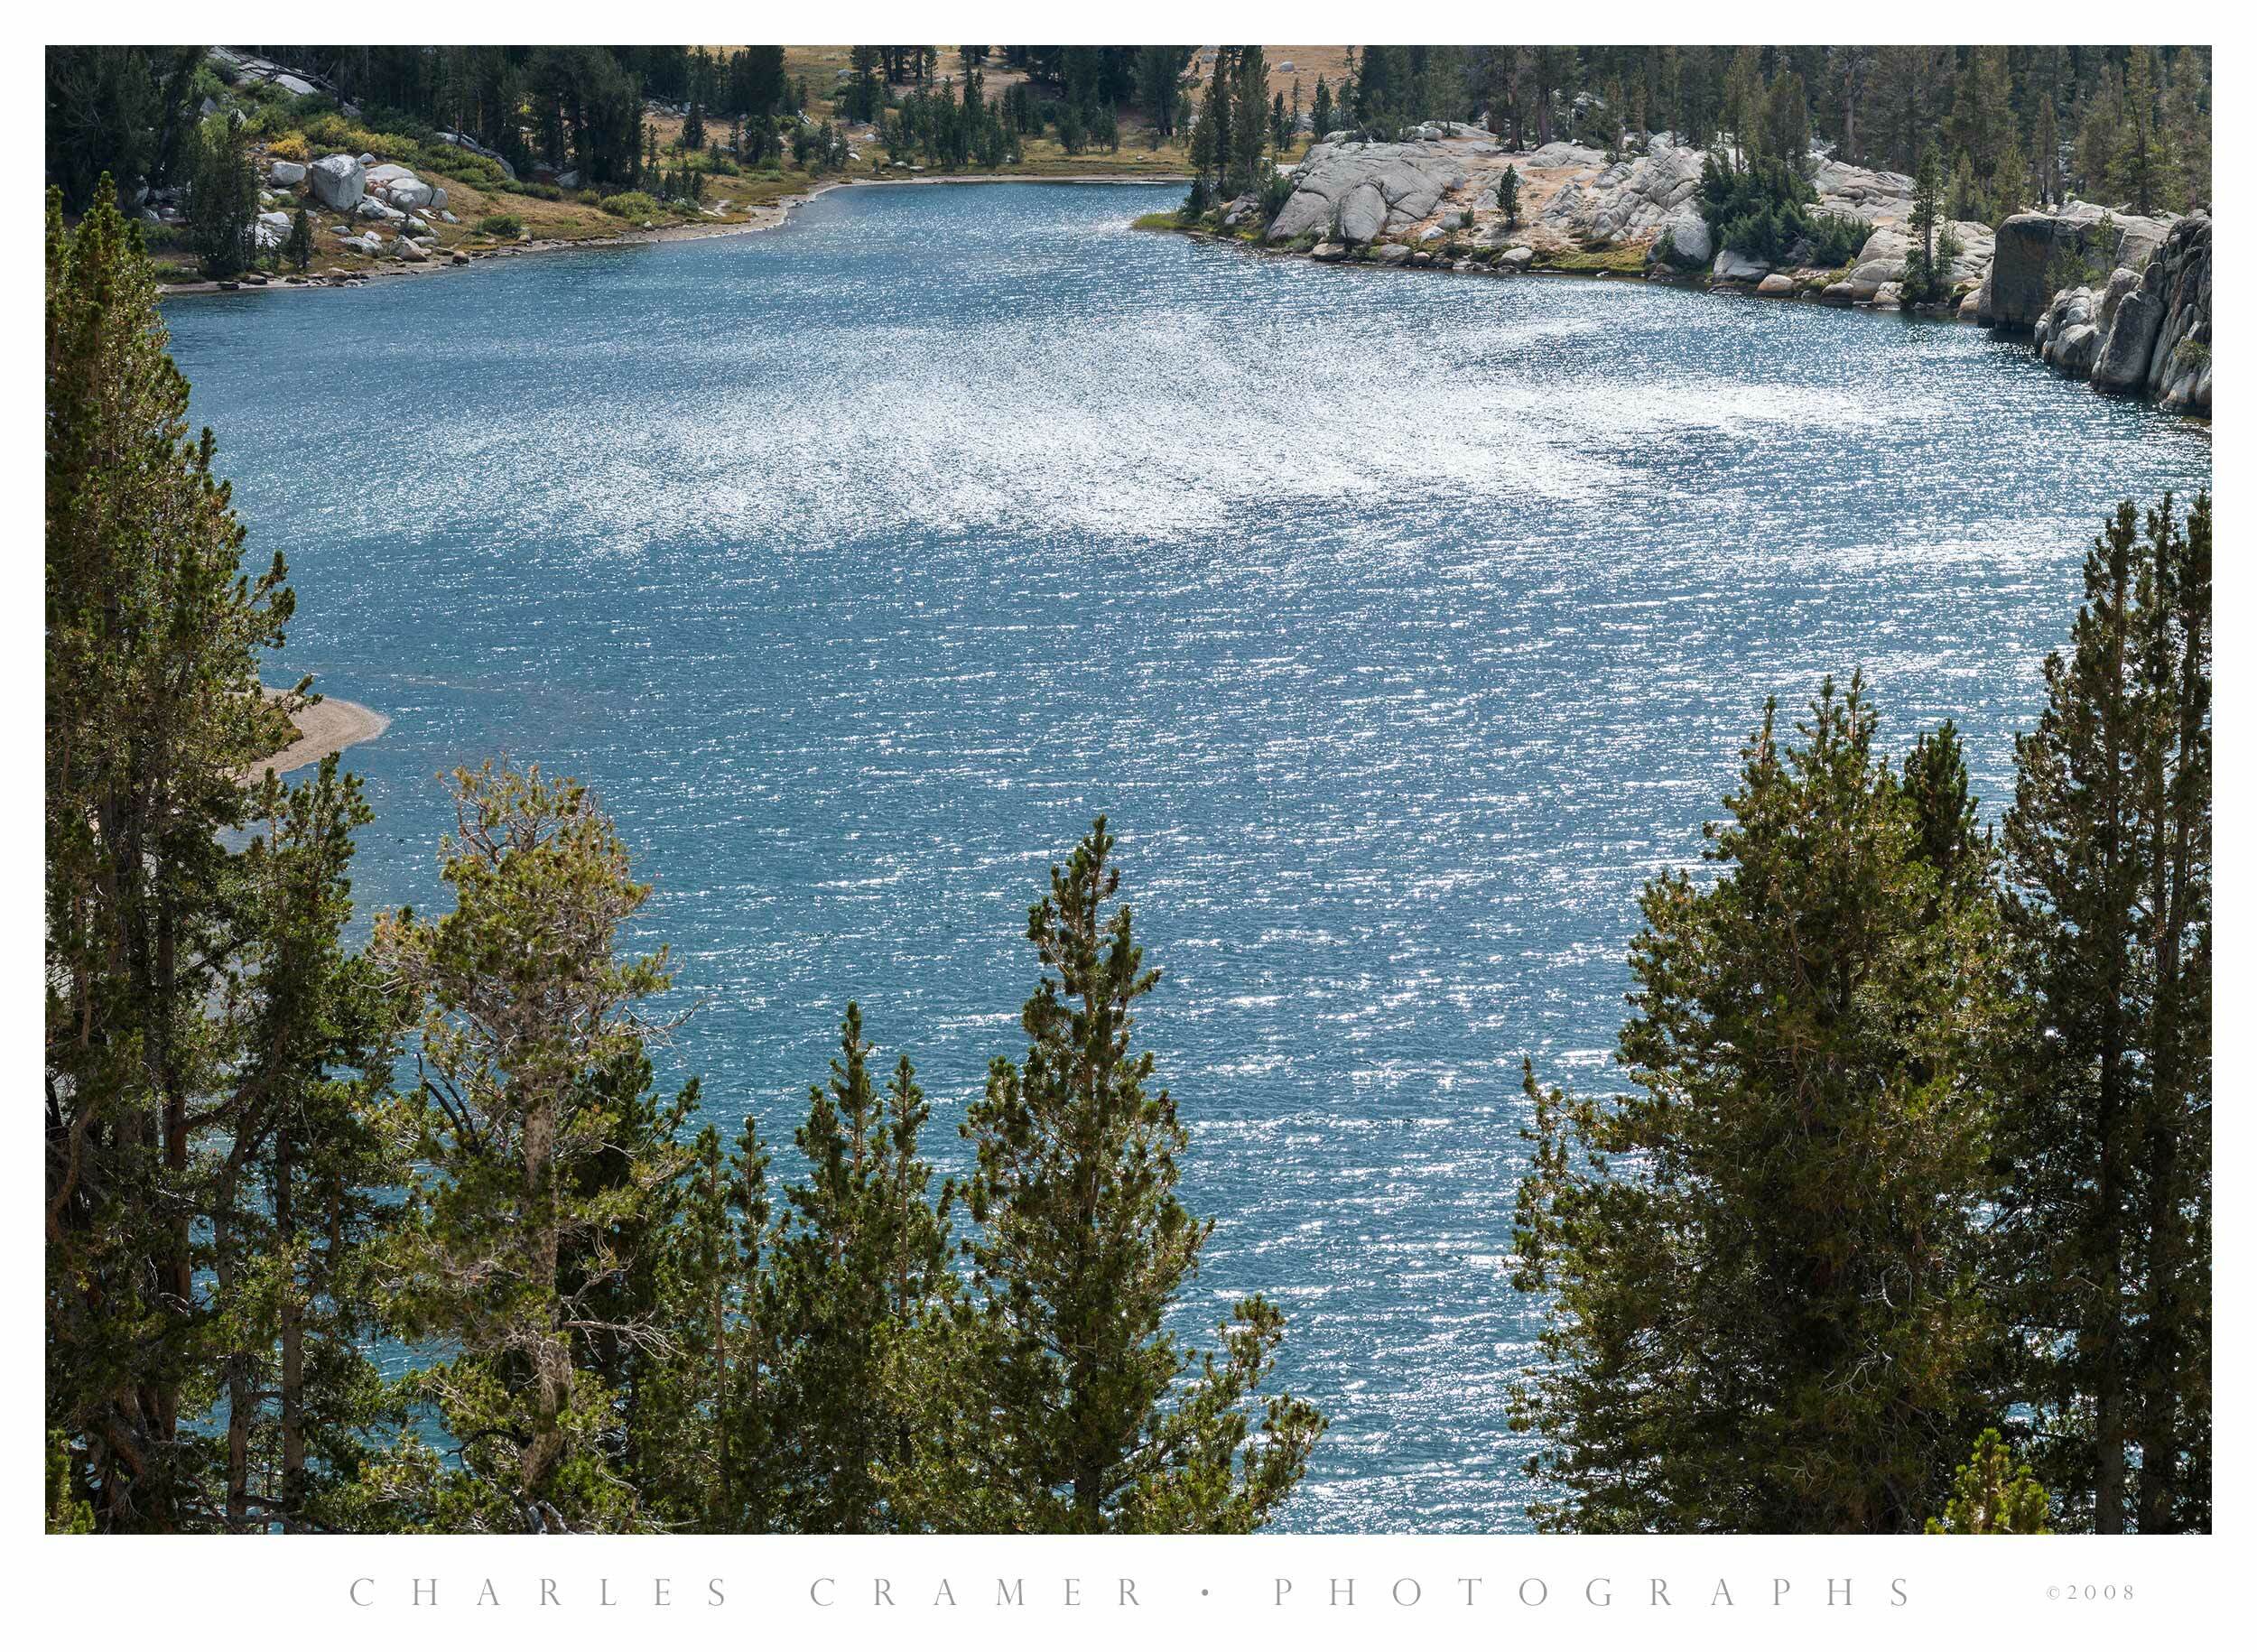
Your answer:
<point x="327" y="726"/>
<point x="770" y="216"/>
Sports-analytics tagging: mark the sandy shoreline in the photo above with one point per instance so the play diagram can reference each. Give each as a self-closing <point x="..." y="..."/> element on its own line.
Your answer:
<point x="328" y="725"/>
<point x="763" y="218"/>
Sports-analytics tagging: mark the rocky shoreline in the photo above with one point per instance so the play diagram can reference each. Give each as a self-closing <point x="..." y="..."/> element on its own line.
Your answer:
<point x="2142" y="330"/>
<point x="2135" y="321"/>
<point x="2119" y="300"/>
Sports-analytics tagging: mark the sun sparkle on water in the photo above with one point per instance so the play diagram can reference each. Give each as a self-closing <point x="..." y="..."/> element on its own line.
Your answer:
<point x="1403" y="624"/>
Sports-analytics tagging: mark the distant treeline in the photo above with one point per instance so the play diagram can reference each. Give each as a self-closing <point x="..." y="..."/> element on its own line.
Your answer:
<point x="2125" y="124"/>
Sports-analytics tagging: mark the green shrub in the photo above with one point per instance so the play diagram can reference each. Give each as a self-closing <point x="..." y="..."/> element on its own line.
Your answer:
<point x="1925" y="282"/>
<point x="463" y="167"/>
<point x="1666" y="251"/>
<point x="1276" y="189"/>
<point x="1836" y="238"/>
<point x="633" y="204"/>
<point x="1757" y="209"/>
<point x="507" y="225"/>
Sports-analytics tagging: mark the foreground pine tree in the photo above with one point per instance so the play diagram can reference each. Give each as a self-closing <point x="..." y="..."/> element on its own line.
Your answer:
<point x="2104" y="1238"/>
<point x="154" y="715"/>
<point x="532" y="1240"/>
<point x="1992" y="1495"/>
<point x="1765" y="1316"/>
<point x="298" y="1183"/>
<point x="861" y="1289"/>
<point x="1096" y="1417"/>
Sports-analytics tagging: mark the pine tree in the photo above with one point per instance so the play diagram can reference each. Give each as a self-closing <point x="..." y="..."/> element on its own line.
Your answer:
<point x="222" y="200"/>
<point x="2186" y="126"/>
<point x="1508" y="196"/>
<point x="2100" y="134"/>
<point x="1850" y="69"/>
<point x="530" y="1221"/>
<point x="2105" y="1225"/>
<point x="2045" y="142"/>
<point x="861" y="1261"/>
<point x="732" y="1467"/>
<point x="1785" y="136"/>
<point x="2142" y="173"/>
<point x="1213" y="143"/>
<point x="1321" y="111"/>
<point x="297" y="1187"/>
<point x="1249" y="121"/>
<point x="1964" y="200"/>
<point x="299" y="248"/>
<point x="1992" y="1493"/>
<point x="1928" y="266"/>
<point x="1981" y="123"/>
<point x="1159" y="71"/>
<point x="154" y="713"/>
<point x="2005" y="190"/>
<point x="1766" y="1317"/>
<point x="1082" y="1247"/>
<point x="1743" y="105"/>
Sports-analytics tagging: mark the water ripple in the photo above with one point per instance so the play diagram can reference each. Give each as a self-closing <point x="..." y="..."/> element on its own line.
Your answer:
<point x="1403" y="626"/>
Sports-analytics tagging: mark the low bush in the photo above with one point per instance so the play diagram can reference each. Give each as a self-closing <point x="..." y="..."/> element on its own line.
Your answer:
<point x="507" y="225"/>
<point x="463" y="167"/>
<point x="1836" y="238"/>
<point x="289" y="146"/>
<point x="333" y="133"/>
<point x="1590" y="260"/>
<point x="1276" y="189"/>
<point x="634" y="204"/>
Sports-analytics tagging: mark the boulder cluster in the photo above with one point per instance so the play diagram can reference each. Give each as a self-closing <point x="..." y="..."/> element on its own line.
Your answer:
<point x="2145" y="330"/>
<point x="1440" y="185"/>
<point x="393" y="207"/>
<point x="2120" y="299"/>
<point x="1356" y="193"/>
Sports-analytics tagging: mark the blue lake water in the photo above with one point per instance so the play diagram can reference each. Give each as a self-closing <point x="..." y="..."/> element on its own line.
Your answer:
<point x="1403" y="624"/>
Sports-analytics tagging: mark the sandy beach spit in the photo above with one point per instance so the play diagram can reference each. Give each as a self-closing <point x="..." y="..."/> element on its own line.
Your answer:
<point x="329" y="725"/>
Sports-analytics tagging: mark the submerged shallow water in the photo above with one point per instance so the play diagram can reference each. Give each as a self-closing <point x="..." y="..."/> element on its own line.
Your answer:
<point x="1403" y="626"/>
